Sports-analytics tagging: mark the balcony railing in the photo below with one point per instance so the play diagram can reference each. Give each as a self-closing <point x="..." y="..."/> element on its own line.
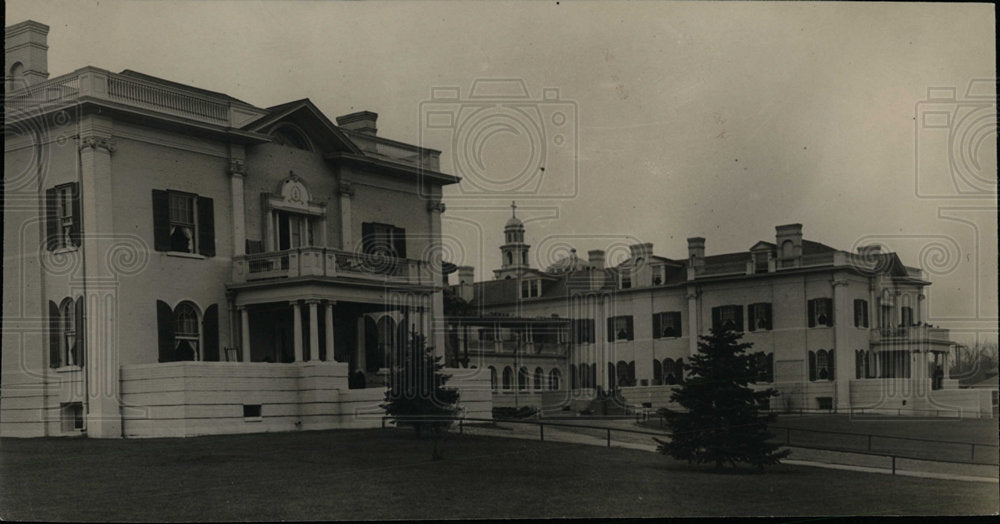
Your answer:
<point x="326" y="262"/>
<point x="94" y="83"/>
<point x="910" y="334"/>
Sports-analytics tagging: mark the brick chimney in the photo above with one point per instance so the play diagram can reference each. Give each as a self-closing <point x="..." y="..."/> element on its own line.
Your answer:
<point x="696" y="251"/>
<point x="361" y="122"/>
<point x="26" y="49"/>
<point x="595" y="257"/>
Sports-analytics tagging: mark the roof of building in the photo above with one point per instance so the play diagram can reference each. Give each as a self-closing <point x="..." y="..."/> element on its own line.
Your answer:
<point x="143" y="76"/>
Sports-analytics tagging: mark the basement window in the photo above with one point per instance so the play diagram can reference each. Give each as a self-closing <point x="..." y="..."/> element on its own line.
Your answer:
<point x="71" y="417"/>
<point x="251" y="412"/>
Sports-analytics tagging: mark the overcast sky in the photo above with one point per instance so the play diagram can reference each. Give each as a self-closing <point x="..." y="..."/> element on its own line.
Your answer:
<point x="719" y="120"/>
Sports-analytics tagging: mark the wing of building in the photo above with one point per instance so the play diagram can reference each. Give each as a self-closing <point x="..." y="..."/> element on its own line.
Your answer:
<point x="832" y="330"/>
<point x="179" y="262"/>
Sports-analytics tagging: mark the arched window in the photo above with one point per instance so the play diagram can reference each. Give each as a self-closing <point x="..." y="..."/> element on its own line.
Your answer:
<point x="508" y="377"/>
<point x="17" y="72"/>
<point x="493" y="378"/>
<point x="522" y="379"/>
<point x="510" y="258"/>
<point x="539" y="375"/>
<point x="554" y="379"/>
<point x="287" y="135"/>
<point x="787" y="249"/>
<point x="186" y="336"/>
<point x="524" y="257"/>
<point x="672" y="371"/>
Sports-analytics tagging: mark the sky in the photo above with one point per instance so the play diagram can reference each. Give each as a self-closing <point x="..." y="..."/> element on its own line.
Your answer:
<point x="624" y="122"/>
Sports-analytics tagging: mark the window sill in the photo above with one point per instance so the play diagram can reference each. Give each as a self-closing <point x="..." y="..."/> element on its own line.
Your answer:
<point x="67" y="369"/>
<point x="181" y="254"/>
<point x="253" y="419"/>
<point x="64" y="250"/>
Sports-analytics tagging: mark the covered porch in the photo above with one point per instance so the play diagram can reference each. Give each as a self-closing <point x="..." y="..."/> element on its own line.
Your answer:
<point x="360" y="325"/>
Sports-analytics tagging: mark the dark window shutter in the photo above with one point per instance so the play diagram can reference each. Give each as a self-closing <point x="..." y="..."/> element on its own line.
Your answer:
<point x="829" y="311"/>
<point x="210" y="329"/>
<point x="812" y="365"/>
<point x="630" y="333"/>
<point x="611" y="329"/>
<point x="74" y="233"/>
<point x="657" y="327"/>
<point x="81" y="333"/>
<point x="678" y="324"/>
<point x="368" y="237"/>
<point x="812" y="313"/>
<point x="752" y="326"/>
<point x="51" y="219"/>
<point x="54" y="334"/>
<point x="165" y="330"/>
<point x="739" y="318"/>
<point x="830" y="361"/>
<point x="161" y="220"/>
<point x="716" y="317"/>
<point x="206" y="226"/>
<point x="399" y="241"/>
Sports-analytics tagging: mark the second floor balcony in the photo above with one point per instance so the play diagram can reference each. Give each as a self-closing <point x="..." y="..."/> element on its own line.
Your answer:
<point x="327" y="262"/>
<point x="935" y="338"/>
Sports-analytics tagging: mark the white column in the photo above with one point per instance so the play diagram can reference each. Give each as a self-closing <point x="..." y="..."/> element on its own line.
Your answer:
<point x="328" y="317"/>
<point x="237" y="173"/>
<point x="100" y="282"/>
<point x="297" y="329"/>
<point x="313" y="331"/>
<point x="346" y="193"/>
<point x="245" y="333"/>
<point x="359" y="346"/>
<point x="692" y="297"/>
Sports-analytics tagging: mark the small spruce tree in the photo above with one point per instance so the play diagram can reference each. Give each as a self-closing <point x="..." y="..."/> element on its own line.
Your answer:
<point x="722" y="422"/>
<point x="416" y="395"/>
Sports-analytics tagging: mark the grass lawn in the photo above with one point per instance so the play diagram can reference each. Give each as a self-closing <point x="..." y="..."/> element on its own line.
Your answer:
<point x="387" y="474"/>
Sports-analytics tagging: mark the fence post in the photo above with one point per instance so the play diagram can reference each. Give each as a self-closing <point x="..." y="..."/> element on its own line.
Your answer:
<point x="460" y="421"/>
<point x="609" y="438"/>
<point x="541" y="432"/>
<point x="972" y="452"/>
<point x="383" y="422"/>
<point x="869" y="442"/>
<point x="893" y="464"/>
<point x="788" y="436"/>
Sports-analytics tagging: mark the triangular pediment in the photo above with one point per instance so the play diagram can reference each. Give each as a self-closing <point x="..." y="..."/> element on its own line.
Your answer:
<point x="305" y="116"/>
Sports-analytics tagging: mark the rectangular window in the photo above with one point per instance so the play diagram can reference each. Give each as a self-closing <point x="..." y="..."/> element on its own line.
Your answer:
<point x="583" y="331"/>
<point x="659" y="274"/>
<point x="183" y="222"/>
<point x="63" y="217"/>
<point x="727" y="317"/>
<point x="821" y="312"/>
<point x="626" y="279"/>
<point x="860" y="313"/>
<point x="760" y="316"/>
<point x="384" y="239"/>
<point x="251" y="410"/>
<point x="667" y="324"/>
<point x="620" y="328"/>
<point x="760" y="262"/>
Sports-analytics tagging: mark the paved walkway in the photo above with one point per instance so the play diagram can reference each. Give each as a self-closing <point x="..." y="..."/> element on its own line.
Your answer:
<point x="802" y="456"/>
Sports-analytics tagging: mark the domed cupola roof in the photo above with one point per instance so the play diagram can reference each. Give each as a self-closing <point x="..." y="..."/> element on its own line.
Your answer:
<point x="567" y="264"/>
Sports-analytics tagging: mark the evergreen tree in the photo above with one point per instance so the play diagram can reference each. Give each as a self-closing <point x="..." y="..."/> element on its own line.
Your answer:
<point x="722" y="421"/>
<point x="416" y="394"/>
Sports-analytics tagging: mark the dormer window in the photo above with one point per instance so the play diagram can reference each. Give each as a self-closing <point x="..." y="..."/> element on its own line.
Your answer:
<point x="760" y="262"/>
<point x="531" y="288"/>
<point x="625" y="279"/>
